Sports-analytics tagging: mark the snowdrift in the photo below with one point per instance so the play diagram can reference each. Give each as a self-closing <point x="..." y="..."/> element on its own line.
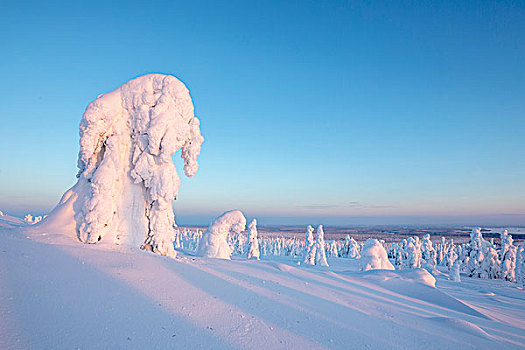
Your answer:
<point x="110" y="296"/>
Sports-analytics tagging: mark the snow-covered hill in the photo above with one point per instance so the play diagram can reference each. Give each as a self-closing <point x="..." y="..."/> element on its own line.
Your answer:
<point x="58" y="293"/>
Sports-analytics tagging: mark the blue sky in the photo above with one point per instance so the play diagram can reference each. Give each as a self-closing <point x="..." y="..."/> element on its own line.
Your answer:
<point x="331" y="112"/>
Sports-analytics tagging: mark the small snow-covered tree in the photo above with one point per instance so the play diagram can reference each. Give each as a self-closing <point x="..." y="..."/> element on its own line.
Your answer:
<point x="214" y="242"/>
<point x="374" y="256"/>
<point x="412" y="253"/>
<point x="454" y="274"/>
<point x="452" y="256"/>
<point x="508" y="257"/>
<point x="353" y="249"/>
<point x="240" y="242"/>
<point x="520" y="264"/>
<point x="475" y="255"/>
<point x="28" y="218"/>
<point x="320" y="253"/>
<point x="253" y="242"/>
<point x="333" y="248"/>
<point x="309" y="247"/>
<point x="490" y="266"/>
<point x="428" y="253"/>
<point x="397" y="255"/>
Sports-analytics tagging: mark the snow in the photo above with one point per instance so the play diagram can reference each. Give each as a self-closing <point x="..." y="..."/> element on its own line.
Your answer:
<point x="253" y="242"/>
<point x="127" y="179"/>
<point x="214" y="242"/>
<point x="374" y="257"/>
<point x="109" y="296"/>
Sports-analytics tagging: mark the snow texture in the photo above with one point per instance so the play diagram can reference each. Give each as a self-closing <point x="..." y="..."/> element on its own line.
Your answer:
<point x="127" y="180"/>
<point x="214" y="242"/>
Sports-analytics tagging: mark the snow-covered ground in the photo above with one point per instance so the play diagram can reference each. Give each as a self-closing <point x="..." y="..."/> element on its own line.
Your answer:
<point x="57" y="293"/>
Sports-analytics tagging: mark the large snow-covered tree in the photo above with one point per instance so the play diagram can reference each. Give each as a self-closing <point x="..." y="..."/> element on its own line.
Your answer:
<point x="126" y="179"/>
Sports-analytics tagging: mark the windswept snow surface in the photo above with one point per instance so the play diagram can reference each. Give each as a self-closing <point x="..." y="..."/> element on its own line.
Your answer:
<point x="56" y="293"/>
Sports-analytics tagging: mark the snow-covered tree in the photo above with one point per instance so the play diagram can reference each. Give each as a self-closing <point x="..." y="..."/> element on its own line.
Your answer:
<point x="374" y="256"/>
<point x="454" y="274"/>
<point x="240" y="242"/>
<point x="452" y="255"/>
<point x="214" y="242"/>
<point x="475" y="255"/>
<point x="320" y="253"/>
<point x="353" y="249"/>
<point x="333" y="248"/>
<point x="397" y="255"/>
<point x="412" y="253"/>
<point x="127" y="180"/>
<point x="309" y="247"/>
<point x="28" y="218"/>
<point x="490" y="266"/>
<point x="253" y="242"/>
<point x="520" y="264"/>
<point x="508" y="257"/>
<point x="428" y="253"/>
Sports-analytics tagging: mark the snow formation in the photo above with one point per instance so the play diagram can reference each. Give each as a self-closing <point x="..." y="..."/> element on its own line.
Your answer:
<point x="309" y="246"/>
<point x="373" y="257"/>
<point x="320" y="253"/>
<point x="253" y="241"/>
<point x="127" y="179"/>
<point x="214" y="242"/>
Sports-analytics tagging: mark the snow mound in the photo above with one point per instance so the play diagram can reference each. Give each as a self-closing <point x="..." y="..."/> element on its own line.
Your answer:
<point x="461" y="325"/>
<point x="420" y="276"/>
<point x="127" y="179"/>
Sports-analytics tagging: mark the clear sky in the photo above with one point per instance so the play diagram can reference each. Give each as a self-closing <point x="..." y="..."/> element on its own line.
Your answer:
<point x="328" y="112"/>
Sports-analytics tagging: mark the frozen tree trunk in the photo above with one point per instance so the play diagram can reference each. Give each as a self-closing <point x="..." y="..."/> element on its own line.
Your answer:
<point x="253" y="249"/>
<point x="127" y="180"/>
<point x="214" y="242"/>
<point x="309" y="246"/>
<point x="320" y="252"/>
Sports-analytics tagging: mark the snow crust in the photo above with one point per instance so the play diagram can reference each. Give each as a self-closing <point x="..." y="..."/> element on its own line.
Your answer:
<point x="127" y="179"/>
